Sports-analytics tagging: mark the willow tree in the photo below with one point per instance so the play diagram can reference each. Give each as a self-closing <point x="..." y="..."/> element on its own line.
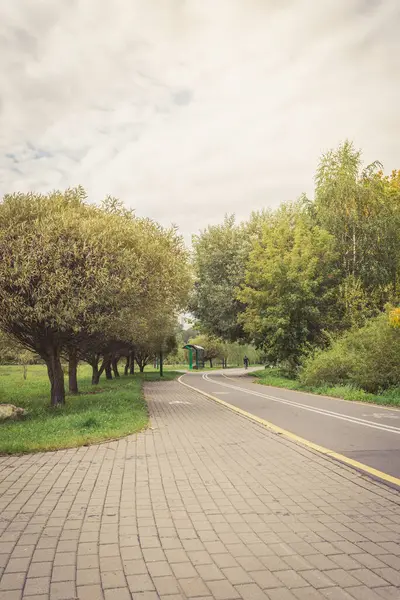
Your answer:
<point x="159" y="264"/>
<point x="66" y="269"/>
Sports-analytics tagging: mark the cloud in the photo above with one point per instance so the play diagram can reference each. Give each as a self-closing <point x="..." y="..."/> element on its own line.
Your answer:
<point x="188" y="109"/>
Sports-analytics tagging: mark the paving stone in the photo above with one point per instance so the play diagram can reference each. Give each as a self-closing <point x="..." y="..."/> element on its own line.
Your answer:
<point x="342" y="578"/>
<point x="12" y="581"/>
<point x="210" y="572"/>
<point x="336" y="593"/>
<point x="291" y="579"/>
<point x="201" y="557"/>
<point x="193" y="587"/>
<point x="18" y="565"/>
<point x="113" y="579"/>
<point x="10" y="595"/>
<point x="166" y="585"/>
<point x="88" y="577"/>
<point x="368" y="578"/>
<point x="249" y="591"/>
<point x="388" y="593"/>
<point x="64" y="590"/>
<point x="184" y="570"/>
<point x="90" y="592"/>
<point x="117" y="594"/>
<point x="362" y="592"/>
<point x="281" y="594"/>
<point x="225" y="560"/>
<point x="318" y="579"/>
<point x="265" y="579"/>
<point x="66" y="573"/>
<point x="308" y="593"/>
<point x="390" y="575"/>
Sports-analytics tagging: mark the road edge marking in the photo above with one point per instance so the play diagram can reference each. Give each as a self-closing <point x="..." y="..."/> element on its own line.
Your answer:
<point x="299" y="440"/>
<point x="322" y="411"/>
<point x="359" y="402"/>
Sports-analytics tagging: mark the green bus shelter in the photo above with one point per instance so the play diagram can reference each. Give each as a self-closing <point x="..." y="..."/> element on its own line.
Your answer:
<point x="196" y="356"/>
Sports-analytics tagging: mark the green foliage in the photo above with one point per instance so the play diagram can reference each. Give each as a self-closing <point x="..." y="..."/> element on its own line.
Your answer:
<point x="361" y="209"/>
<point x="291" y="283"/>
<point x="213" y="347"/>
<point x="220" y="256"/>
<point x="76" y="279"/>
<point x="289" y="280"/>
<point x="366" y="358"/>
<point x="235" y="353"/>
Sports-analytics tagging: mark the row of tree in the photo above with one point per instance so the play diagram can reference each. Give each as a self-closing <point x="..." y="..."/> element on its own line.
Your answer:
<point x="88" y="283"/>
<point x="290" y="280"/>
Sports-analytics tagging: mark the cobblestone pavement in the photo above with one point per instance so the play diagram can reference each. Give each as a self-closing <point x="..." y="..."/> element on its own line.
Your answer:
<point x="205" y="504"/>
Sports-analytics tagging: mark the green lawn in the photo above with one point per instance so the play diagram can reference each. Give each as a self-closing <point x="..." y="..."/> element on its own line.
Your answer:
<point x="275" y="378"/>
<point x="110" y="410"/>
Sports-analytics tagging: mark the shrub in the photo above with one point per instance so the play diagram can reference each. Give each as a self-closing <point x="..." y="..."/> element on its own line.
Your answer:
<point x="367" y="358"/>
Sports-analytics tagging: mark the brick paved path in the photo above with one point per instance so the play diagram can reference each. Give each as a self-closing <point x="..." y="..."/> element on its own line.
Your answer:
<point x="204" y="505"/>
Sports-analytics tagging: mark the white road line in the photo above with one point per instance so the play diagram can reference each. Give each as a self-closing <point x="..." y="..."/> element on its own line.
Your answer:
<point x="321" y="411"/>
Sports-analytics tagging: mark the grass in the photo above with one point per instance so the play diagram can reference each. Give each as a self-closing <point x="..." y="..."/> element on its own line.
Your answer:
<point x="110" y="410"/>
<point x="275" y="378"/>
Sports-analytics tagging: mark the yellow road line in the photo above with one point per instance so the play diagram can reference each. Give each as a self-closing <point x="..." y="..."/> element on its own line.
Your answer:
<point x="299" y="440"/>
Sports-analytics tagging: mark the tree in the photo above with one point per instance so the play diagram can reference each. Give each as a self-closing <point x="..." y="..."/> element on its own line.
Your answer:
<point x="235" y="353"/>
<point x="213" y="347"/>
<point x="154" y="335"/>
<point x="219" y="257"/>
<point x="290" y="293"/>
<point x="361" y="209"/>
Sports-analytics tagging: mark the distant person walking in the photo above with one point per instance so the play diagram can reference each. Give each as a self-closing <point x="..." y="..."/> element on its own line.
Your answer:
<point x="246" y="362"/>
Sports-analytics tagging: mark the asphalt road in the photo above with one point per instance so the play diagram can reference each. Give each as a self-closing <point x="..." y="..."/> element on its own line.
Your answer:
<point x="365" y="433"/>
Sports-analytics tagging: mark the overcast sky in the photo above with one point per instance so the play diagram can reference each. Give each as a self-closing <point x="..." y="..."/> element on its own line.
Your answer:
<point x="188" y="109"/>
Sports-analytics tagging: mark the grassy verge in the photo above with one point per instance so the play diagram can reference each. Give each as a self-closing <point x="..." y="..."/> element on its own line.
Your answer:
<point x="110" y="410"/>
<point x="275" y="378"/>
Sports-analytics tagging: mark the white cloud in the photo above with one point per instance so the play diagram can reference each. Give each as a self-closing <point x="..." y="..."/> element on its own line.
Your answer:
<point x="187" y="109"/>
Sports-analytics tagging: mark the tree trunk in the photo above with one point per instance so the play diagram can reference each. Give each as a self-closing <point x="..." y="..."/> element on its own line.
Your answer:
<point x="107" y="369"/>
<point x="72" y="371"/>
<point x="56" y="376"/>
<point x="95" y="374"/>
<point x="161" y="365"/>
<point x="132" y="364"/>
<point x="114" y="363"/>
<point x="141" y="368"/>
<point x="210" y="359"/>
<point x="126" y="368"/>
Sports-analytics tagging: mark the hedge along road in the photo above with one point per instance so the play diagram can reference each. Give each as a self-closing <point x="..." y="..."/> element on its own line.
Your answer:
<point x="364" y="436"/>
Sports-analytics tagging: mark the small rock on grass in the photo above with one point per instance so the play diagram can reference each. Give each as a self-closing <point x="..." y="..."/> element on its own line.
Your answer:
<point x="9" y="411"/>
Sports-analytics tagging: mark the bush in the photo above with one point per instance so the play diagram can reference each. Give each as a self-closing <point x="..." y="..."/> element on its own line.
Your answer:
<point x="329" y="367"/>
<point x="366" y="358"/>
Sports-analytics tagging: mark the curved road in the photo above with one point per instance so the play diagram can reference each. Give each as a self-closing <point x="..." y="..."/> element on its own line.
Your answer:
<point x="368" y="434"/>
